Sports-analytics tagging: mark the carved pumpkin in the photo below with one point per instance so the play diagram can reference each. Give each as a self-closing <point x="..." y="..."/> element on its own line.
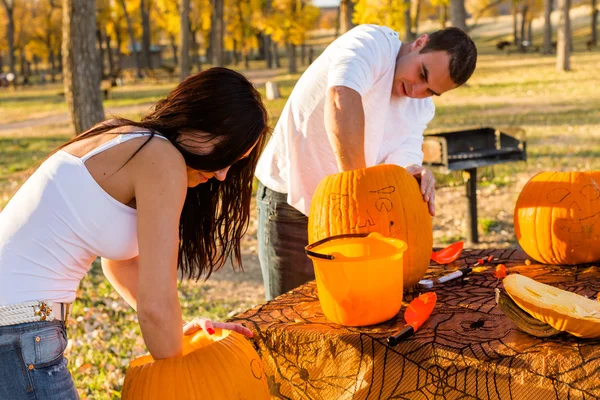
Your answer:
<point x="384" y="199"/>
<point x="557" y="217"/>
<point x="220" y="366"/>
<point x="564" y="311"/>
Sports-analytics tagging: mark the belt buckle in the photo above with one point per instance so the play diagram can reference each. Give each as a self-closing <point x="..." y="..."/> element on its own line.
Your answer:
<point x="43" y="310"/>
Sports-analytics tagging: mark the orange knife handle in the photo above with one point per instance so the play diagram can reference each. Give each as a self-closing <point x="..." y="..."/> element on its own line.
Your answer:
<point x="403" y="334"/>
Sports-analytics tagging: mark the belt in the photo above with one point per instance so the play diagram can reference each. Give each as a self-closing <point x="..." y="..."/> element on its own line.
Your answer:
<point x="33" y="311"/>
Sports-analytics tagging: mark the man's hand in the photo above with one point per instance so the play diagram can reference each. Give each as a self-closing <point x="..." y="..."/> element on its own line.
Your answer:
<point x="426" y="182"/>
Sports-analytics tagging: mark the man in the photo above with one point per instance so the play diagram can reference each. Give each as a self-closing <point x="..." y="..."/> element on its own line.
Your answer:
<point x="365" y="101"/>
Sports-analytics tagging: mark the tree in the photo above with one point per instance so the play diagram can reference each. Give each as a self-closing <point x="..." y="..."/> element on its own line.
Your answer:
<point x="81" y="64"/>
<point x="168" y="20"/>
<point x="458" y="14"/>
<point x="383" y="12"/>
<point x="564" y="36"/>
<point x="145" y="16"/>
<point x="547" y="48"/>
<point x="408" y="35"/>
<point x="10" y="32"/>
<point x="184" y="40"/>
<point x="287" y="25"/>
<point x="132" y="41"/>
<point x="594" y="39"/>
<point x="346" y="14"/>
<point x="218" y="33"/>
<point x="47" y="31"/>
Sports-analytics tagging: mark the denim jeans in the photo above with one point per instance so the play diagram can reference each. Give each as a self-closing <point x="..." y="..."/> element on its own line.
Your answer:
<point x="32" y="366"/>
<point x="282" y="237"/>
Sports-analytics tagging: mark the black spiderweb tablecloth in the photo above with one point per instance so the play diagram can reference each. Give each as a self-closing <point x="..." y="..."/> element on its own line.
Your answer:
<point x="467" y="349"/>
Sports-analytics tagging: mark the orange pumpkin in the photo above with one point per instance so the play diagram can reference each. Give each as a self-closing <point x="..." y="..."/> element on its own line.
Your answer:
<point x="557" y="217"/>
<point x="220" y="366"/>
<point x="384" y="199"/>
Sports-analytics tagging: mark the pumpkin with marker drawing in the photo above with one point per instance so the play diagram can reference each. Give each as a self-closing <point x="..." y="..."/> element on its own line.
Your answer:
<point x="385" y="199"/>
<point x="557" y="217"/>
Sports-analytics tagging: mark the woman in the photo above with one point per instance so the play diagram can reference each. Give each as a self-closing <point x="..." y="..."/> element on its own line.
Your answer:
<point x="155" y="198"/>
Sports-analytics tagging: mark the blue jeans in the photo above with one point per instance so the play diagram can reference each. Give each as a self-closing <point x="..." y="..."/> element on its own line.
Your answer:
<point x="32" y="366"/>
<point x="282" y="237"/>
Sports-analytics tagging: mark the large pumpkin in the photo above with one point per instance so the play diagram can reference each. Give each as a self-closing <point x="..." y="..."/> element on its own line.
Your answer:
<point x="557" y="217"/>
<point x="384" y="199"/>
<point x="564" y="311"/>
<point x="221" y="366"/>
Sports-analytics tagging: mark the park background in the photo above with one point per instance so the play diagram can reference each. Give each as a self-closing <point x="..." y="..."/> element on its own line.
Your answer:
<point x="538" y="69"/>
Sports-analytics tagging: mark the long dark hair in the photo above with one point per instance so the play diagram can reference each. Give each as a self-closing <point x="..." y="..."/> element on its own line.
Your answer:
<point x="222" y="107"/>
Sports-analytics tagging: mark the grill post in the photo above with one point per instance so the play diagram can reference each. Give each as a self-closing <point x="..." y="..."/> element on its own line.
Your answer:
<point x="470" y="177"/>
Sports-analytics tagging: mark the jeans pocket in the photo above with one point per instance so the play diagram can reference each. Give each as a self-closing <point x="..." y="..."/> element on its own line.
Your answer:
<point x="14" y="379"/>
<point x="44" y="347"/>
<point x="286" y="213"/>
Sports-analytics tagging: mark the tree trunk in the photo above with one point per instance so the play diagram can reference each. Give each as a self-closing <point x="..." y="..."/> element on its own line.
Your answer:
<point x="564" y="30"/>
<point x="174" y="48"/>
<point x="523" y="23"/>
<point x="195" y="50"/>
<point x="515" y="24"/>
<point x="458" y="14"/>
<point x="594" y="39"/>
<point x="443" y="15"/>
<point x="408" y="37"/>
<point x="303" y="54"/>
<point x="275" y="50"/>
<point x="81" y="64"/>
<point x="134" y="46"/>
<point x="184" y="40"/>
<point x="52" y="62"/>
<point x="530" y="31"/>
<point x="416" y="20"/>
<point x="145" y="14"/>
<point x="291" y="51"/>
<point x="100" y="50"/>
<point x="218" y="33"/>
<point x="547" y="49"/>
<point x="346" y="13"/>
<point x="111" y="61"/>
<point x="10" y="33"/>
<point x="119" y="40"/>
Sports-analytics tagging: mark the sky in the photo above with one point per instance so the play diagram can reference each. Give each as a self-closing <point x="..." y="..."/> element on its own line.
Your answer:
<point x="326" y="3"/>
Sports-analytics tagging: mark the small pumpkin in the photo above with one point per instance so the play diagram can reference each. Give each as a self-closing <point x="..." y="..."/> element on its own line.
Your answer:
<point x="557" y="217"/>
<point x="220" y="366"/>
<point x="562" y="310"/>
<point x="385" y="199"/>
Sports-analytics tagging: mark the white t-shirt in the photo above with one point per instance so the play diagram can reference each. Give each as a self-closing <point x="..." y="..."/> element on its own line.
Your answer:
<point x="299" y="154"/>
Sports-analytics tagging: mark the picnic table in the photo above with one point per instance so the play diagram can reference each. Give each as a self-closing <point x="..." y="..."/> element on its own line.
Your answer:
<point x="467" y="349"/>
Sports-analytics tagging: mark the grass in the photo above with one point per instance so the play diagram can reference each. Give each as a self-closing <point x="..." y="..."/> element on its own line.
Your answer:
<point x="559" y="112"/>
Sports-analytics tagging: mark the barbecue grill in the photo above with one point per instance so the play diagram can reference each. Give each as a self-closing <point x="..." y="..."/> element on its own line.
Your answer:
<point x="470" y="149"/>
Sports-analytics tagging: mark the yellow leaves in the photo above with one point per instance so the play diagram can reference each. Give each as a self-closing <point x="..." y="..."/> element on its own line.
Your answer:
<point x="289" y="21"/>
<point x="382" y="12"/>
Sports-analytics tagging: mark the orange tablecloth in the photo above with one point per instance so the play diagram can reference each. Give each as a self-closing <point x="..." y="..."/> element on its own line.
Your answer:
<point x="467" y="349"/>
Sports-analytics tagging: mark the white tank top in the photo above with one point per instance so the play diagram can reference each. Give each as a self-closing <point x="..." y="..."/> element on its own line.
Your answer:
<point x="58" y="222"/>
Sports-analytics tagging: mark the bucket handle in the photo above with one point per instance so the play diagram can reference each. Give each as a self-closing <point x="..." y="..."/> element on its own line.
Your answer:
<point x="320" y="242"/>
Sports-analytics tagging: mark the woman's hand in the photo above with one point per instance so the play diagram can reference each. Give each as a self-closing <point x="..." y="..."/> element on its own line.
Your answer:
<point x="209" y="327"/>
<point x="426" y="182"/>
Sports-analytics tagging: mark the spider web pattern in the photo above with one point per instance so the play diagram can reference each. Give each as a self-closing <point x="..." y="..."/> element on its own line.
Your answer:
<point x="467" y="349"/>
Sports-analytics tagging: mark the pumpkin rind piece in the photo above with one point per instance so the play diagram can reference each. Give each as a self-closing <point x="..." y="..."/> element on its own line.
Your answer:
<point x="385" y="199"/>
<point x="563" y="310"/>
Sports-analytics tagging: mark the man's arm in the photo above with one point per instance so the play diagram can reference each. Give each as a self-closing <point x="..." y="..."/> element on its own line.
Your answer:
<point x="345" y="126"/>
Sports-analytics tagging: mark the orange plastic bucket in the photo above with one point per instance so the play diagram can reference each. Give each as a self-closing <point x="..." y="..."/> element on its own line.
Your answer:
<point x="359" y="277"/>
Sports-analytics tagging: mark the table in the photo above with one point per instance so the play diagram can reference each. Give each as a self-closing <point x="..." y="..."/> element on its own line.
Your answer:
<point x="467" y="349"/>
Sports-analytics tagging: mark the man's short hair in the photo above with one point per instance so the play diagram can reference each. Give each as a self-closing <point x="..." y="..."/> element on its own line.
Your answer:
<point x="460" y="47"/>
